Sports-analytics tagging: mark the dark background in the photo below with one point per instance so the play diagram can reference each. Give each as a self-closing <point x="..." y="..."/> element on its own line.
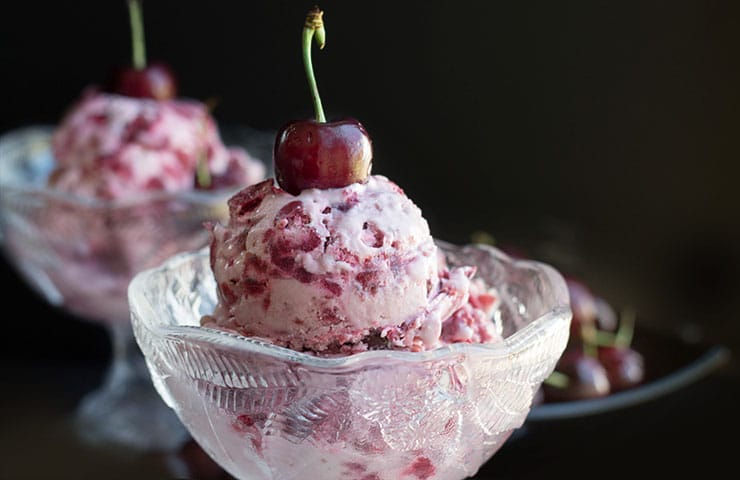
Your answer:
<point x="601" y="136"/>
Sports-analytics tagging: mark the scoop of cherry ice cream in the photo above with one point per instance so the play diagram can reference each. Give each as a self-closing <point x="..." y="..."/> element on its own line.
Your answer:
<point x="112" y="146"/>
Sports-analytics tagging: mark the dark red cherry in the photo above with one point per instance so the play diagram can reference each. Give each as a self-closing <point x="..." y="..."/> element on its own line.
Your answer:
<point x="141" y="79"/>
<point x="606" y="317"/>
<point x="587" y="378"/>
<point x="584" y="306"/>
<point x="315" y="153"/>
<point x="312" y="154"/>
<point x="156" y="81"/>
<point x="625" y="367"/>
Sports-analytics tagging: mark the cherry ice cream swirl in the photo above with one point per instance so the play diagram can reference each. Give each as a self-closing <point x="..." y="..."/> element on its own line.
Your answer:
<point x="341" y="270"/>
<point x="112" y="146"/>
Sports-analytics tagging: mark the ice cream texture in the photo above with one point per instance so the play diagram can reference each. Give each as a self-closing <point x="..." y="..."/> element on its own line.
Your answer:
<point x="342" y="270"/>
<point x="111" y="146"/>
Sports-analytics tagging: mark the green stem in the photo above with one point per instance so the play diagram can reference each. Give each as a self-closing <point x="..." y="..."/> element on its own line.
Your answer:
<point x="202" y="172"/>
<point x="557" y="380"/>
<point x="590" y="345"/>
<point x="138" y="49"/>
<point x="626" y="328"/>
<point x="604" y="339"/>
<point x="314" y="28"/>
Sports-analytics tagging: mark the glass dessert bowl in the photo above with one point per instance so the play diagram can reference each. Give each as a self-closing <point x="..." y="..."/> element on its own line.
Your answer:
<point x="79" y="253"/>
<point x="266" y="412"/>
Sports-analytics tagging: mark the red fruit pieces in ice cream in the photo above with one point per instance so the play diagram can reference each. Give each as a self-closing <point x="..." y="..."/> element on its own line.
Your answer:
<point x="342" y="270"/>
<point x="111" y="146"/>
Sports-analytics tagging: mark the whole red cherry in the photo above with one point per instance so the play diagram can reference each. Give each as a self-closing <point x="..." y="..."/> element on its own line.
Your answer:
<point x="311" y="154"/>
<point x="141" y="80"/>
<point x="584" y="306"/>
<point x="625" y="367"/>
<point x="314" y="153"/>
<point x="156" y="81"/>
<point x="586" y="378"/>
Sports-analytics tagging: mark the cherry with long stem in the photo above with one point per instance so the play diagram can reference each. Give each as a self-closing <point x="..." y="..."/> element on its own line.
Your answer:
<point x="314" y="153"/>
<point x="141" y="79"/>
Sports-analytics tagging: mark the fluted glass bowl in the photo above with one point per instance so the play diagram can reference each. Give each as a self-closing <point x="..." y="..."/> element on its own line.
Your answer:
<point x="80" y="254"/>
<point x="266" y="412"/>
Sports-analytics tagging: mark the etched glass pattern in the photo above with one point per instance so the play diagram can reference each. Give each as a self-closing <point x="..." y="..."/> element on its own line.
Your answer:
<point x="266" y="412"/>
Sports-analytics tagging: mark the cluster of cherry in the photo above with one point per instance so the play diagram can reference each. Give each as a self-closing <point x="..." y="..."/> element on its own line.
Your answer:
<point x="599" y="358"/>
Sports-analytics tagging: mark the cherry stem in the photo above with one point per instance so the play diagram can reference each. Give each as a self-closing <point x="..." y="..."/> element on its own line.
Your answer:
<point x="314" y="28"/>
<point x="604" y="339"/>
<point x="590" y="344"/>
<point x="138" y="49"/>
<point x="626" y="329"/>
<point x="202" y="172"/>
<point x="557" y="379"/>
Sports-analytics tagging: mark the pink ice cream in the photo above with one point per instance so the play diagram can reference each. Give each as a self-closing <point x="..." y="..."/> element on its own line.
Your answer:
<point x="342" y="270"/>
<point x="110" y="146"/>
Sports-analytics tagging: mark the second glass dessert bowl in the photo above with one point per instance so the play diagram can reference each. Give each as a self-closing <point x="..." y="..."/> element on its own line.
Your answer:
<point x="80" y="254"/>
<point x="265" y="412"/>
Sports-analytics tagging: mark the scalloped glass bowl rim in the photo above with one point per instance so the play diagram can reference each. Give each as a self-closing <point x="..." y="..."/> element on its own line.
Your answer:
<point x="555" y="318"/>
<point x="192" y="196"/>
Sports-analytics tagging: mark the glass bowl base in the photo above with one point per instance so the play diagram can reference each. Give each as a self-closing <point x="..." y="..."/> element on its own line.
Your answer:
<point x="126" y="409"/>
